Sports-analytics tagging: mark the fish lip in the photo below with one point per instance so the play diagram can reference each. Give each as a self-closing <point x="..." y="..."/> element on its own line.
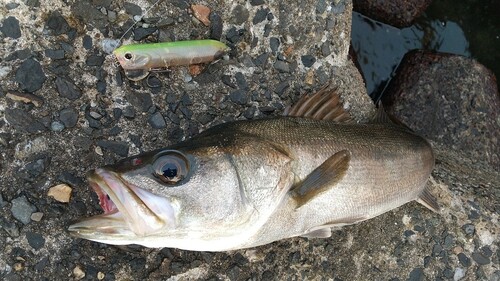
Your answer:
<point x="126" y="210"/>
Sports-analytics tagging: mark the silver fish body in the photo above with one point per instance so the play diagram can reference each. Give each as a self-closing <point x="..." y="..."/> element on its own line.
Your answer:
<point x="248" y="183"/>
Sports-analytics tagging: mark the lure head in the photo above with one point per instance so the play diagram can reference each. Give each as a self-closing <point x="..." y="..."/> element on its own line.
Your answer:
<point x="133" y="57"/>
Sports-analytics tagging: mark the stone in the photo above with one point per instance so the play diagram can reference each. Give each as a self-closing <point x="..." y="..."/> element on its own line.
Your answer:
<point x="201" y="12"/>
<point x="480" y="259"/>
<point x="87" y="42"/>
<point x="282" y="66"/>
<point x="69" y="117"/>
<point x="157" y="121"/>
<point x="308" y="60"/>
<point x="56" y="126"/>
<point x="239" y="97"/>
<point x="118" y="147"/>
<point x="35" y="240"/>
<point x="216" y="26"/>
<point x="57" y="23"/>
<point x="141" y="33"/>
<point x="54" y="54"/>
<point x="23" y="120"/>
<point x="30" y="75"/>
<point x="10" y="28"/>
<point x="60" y="192"/>
<point x="465" y="93"/>
<point x="94" y="60"/>
<point x="240" y="15"/>
<point x="416" y="274"/>
<point x="67" y="89"/>
<point x="22" y="209"/>
<point x="132" y="9"/>
<point x="260" y="15"/>
<point x="398" y="13"/>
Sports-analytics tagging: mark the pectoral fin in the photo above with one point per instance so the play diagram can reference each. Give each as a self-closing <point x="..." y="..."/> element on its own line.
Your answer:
<point x="318" y="233"/>
<point x="428" y="200"/>
<point x="322" y="178"/>
<point x="325" y="230"/>
<point x="136" y="74"/>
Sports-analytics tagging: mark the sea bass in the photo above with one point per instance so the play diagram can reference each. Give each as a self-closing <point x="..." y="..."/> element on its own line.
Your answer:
<point x="248" y="183"/>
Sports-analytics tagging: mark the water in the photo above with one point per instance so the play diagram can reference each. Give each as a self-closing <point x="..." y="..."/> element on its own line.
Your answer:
<point x="468" y="28"/>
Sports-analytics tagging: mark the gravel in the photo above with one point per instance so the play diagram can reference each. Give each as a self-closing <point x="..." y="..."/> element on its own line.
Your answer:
<point x="67" y="89"/>
<point x="30" y="75"/>
<point x="10" y="28"/>
<point x="22" y="209"/>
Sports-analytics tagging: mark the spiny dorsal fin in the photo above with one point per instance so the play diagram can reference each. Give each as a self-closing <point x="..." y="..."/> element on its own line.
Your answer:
<point x="382" y="117"/>
<point x="322" y="178"/>
<point x="322" y="105"/>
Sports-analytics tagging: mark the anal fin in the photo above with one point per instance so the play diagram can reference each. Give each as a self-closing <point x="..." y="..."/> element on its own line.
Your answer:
<point x="428" y="200"/>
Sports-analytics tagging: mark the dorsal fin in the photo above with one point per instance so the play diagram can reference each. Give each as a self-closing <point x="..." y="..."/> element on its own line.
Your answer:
<point x="322" y="105"/>
<point x="382" y="117"/>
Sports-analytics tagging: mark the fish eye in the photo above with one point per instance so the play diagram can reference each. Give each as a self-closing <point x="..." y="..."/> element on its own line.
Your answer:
<point x="171" y="168"/>
<point x="128" y="56"/>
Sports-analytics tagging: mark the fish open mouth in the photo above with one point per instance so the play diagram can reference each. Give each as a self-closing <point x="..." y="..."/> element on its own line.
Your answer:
<point x="128" y="210"/>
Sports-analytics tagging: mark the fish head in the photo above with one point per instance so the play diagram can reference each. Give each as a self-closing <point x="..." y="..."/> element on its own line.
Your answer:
<point x="133" y="57"/>
<point x="182" y="198"/>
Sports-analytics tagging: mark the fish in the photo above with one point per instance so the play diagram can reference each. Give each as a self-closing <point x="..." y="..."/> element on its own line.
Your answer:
<point x="137" y="60"/>
<point x="248" y="183"/>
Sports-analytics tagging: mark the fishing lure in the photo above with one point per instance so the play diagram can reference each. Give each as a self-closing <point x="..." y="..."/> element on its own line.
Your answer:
<point x="137" y="60"/>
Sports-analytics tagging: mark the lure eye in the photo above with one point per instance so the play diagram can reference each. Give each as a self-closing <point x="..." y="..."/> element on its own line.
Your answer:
<point x="171" y="168"/>
<point x="128" y="56"/>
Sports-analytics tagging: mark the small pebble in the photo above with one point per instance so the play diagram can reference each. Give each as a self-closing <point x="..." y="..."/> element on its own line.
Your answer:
<point x="37" y="216"/>
<point x="201" y="12"/>
<point x="60" y="192"/>
<point x="22" y="209"/>
<point x="78" y="272"/>
<point x="459" y="274"/>
<point x="56" y="126"/>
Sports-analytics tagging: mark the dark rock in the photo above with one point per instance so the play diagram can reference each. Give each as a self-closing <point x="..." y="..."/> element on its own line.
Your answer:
<point x="467" y="116"/>
<point x="240" y="15"/>
<point x="308" y="60"/>
<point x="35" y="240"/>
<point x="23" y="120"/>
<point x="19" y="54"/>
<point x="69" y="117"/>
<point x="94" y="60"/>
<point x="157" y="121"/>
<point x="129" y="112"/>
<point x="87" y="42"/>
<point x="57" y="23"/>
<point x="37" y="167"/>
<point x="399" y="13"/>
<point x="141" y="33"/>
<point x="226" y="79"/>
<point x="67" y="89"/>
<point x="22" y="209"/>
<point x="267" y="109"/>
<point x="241" y="81"/>
<point x="141" y="101"/>
<point x="42" y="263"/>
<point x="2" y="203"/>
<point x="274" y="44"/>
<point x="233" y="35"/>
<point x="473" y="215"/>
<point x="239" y="97"/>
<point x="260" y="15"/>
<point x="118" y="147"/>
<point x="54" y="54"/>
<point x="30" y="75"/>
<point x="281" y="87"/>
<point x="188" y="113"/>
<point x="249" y="113"/>
<point x="469" y="229"/>
<point x="215" y="26"/>
<point x="480" y="258"/>
<point x="416" y="274"/>
<point x="282" y="66"/>
<point x="256" y="2"/>
<point x="321" y="6"/>
<point x="205" y="118"/>
<point x="11" y="6"/>
<point x="101" y="87"/>
<point x="186" y="100"/>
<point x="10" y="28"/>
<point x="69" y="178"/>
<point x="132" y="9"/>
<point x="464" y="260"/>
<point x="268" y="275"/>
<point x="261" y="59"/>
